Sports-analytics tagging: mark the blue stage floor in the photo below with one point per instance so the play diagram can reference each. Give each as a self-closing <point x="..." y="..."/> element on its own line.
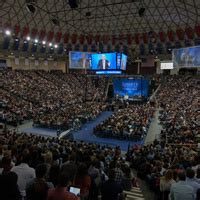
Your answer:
<point x="86" y="133"/>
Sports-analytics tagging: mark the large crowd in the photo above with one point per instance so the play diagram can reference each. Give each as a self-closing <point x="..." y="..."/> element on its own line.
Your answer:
<point x="171" y="166"/>
<point x="179" y="99"/>
<point x="50" y="99"/>
<point x="130" y="123"/>
<point x="34" y="167"/>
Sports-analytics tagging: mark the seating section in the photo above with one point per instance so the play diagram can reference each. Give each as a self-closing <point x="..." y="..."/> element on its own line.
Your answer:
<point x="179" y="100"/>
<point x="176" y="151"/>
<point x="51" y="99"/>
<point x="102" y="167"/>
<point x="130" y="123"/>
<point x="57" y="99"/>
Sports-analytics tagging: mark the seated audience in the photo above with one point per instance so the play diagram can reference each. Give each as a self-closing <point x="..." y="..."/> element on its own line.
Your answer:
<point x="130" y="123"/>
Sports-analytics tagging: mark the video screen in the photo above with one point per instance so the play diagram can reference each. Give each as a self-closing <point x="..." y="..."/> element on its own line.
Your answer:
<point x="123" y="61"/>
<point x="131" y="87"/>
<point x="186" y="57"/>
<point x="119" y="61"/>
<point x="75" y="190"/>
<point x="79" y="60"/>
<point x="166" y="65"/>
<point x="103" y="61"/>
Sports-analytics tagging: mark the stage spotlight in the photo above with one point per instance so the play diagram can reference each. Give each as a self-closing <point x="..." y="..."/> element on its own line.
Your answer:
<point x="50" y="44"/>
<point x="43" y="42"/>
<point x="73" y="3"/>
<point x="88" y="14"/>
<point x="8" y="32"/>
<point x="28" y="38"/>
<point x="56" y="46"/>
<point x="36" y="40"/>
<point x="141" y="11"/>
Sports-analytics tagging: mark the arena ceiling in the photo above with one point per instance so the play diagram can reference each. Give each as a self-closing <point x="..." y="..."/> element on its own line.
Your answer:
<point x="102" y="16"/>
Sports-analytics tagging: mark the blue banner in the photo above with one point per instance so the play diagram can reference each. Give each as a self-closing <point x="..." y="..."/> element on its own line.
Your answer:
<point x="131" y="87"/>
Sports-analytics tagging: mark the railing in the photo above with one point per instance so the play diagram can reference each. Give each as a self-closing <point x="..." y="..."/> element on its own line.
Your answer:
<point x="153" y="96"/>
<point x="134" y="194"/>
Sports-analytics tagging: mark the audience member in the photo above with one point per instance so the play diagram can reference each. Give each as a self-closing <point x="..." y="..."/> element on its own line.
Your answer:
<point x="38" y="188"/>
<point x="24" y="172"/>
<point x="60" y="192"/>
<point x="181" y="190"/>
<point x="111" y="190"/>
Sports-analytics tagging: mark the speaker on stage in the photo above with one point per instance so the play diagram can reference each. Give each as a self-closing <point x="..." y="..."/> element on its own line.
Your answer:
<point x="110" y="91"/>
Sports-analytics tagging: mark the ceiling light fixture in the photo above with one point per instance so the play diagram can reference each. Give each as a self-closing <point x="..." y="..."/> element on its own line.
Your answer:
<point x="8" y="32"/>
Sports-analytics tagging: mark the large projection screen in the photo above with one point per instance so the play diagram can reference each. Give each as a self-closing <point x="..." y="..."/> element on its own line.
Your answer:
<point x="186" y="57"/>
<point x="104" y="61"/>
<point x="79" y="60"/>
<point x="131" y="87"/>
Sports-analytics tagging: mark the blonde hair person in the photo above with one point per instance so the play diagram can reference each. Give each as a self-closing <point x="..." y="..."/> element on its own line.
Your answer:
<point x="48" y="157"/>
<point x="165" y="184"/>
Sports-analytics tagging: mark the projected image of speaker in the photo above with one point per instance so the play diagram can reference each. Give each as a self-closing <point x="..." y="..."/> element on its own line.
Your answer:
<point x="186" y="57"/>
<point x="103" y="61"/>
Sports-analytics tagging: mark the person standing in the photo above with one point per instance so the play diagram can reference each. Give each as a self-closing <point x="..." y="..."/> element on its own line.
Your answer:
<point x="165" y="184"/>
<point x="111" y="190"/>
<point x="24" y="172"/>
<point x="181" y="190"/>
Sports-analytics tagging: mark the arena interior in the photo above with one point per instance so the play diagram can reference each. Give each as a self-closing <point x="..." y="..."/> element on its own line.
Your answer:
<point x="100" y="100"/>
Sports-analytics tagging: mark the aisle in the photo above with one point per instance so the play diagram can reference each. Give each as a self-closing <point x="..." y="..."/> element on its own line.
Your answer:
<point x="154" y="129"/>
<point x="86" y="134"/>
